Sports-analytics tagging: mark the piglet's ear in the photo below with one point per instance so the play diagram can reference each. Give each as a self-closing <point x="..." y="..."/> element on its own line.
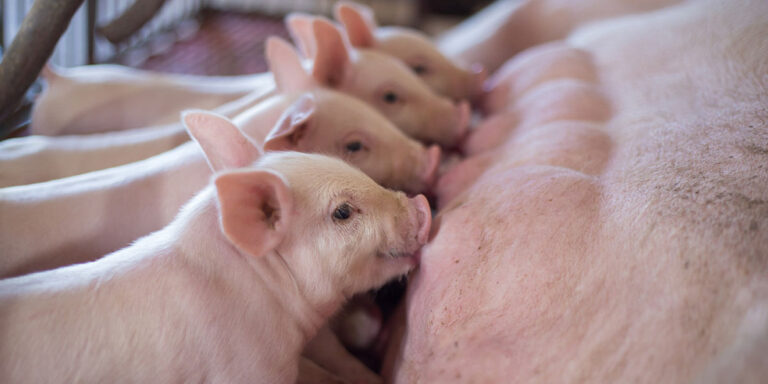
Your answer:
<point x="332" y="54"/>
<point x="292" y="125"/>
<point x="255" y="208"/>
<point x="300" y="27"/>
<point x="224" y="146"/>
<point x="358" y="22"/>
<point x="285" y="65"/>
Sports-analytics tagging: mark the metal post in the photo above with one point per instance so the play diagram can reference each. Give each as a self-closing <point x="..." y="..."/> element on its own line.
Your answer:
<point x="91" y="30"/>
<point x="131" y="21"/>
<point x="31" y="48"/>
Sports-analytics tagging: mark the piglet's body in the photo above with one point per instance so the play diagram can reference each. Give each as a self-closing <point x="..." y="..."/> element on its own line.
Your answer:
<point x="372" y="77"/>
<point x="34" y="159"/>
<point x="103" y="98"/>
<point x="115" y="206"/>
<point x="230" y="291"/>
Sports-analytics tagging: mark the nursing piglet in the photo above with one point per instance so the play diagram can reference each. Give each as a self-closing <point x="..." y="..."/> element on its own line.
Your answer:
<point x="415" y="49"/>
<point x="231" y="290"/>
<point x="388" y="84"/>
<point x="115" y="206"/>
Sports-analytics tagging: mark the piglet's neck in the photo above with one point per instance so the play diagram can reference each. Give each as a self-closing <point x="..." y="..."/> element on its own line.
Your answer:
<point x="317" y="283"/>
<point x="259" y="282"/>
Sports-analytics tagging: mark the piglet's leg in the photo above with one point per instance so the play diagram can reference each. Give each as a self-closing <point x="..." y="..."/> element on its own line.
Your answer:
<point x="311" y="373"/>
<point x="326" y="351"/>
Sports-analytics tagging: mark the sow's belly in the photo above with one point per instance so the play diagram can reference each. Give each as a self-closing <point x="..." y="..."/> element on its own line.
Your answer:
<point x="593" y="238"/>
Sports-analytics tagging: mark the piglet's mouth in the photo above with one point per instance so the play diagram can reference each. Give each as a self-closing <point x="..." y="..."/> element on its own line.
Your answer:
<point x="412" y="258"/>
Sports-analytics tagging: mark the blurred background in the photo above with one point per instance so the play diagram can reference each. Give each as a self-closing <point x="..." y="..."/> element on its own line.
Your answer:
<point x="205" y="37"/>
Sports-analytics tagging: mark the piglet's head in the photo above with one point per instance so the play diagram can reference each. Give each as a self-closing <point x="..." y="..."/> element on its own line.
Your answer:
<point x="379" y="79"/>
<point x="415" y="49"/>
<point x="332" y="123"/>
<point x="341" y="223"/>
<point x="338" y="231"/>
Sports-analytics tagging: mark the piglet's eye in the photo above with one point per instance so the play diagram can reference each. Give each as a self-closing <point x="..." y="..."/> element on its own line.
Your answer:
<point x="354" y="146"/>
<point x="390" y="97"/>
<point x="419" y="69"/>
<point x="342" y="212"/>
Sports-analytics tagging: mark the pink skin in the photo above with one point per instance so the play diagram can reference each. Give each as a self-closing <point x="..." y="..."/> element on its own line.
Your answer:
<point x="104" y="98"/>
<point x="401" y="95"/>
<point x="415" y="49"/>
<point x="88" y="154"/>
<point x="105" y="202"/>
<point x="525" y="71"/>
<point x="34" y="159"/>
<point x="282" y="258"/>
<point x="508" y="27"/>
<point x="627" y="249"/>
<point x="554" y="100"/>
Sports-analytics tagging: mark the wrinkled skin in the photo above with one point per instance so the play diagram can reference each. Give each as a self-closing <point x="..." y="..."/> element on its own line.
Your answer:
<point x="115" y="206"/>
<point x="415" y="49"/>
<point x="275" y="264"/>
<point x="621" y="248"/>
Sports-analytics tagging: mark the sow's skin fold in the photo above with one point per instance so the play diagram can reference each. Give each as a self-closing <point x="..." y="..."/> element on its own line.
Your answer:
<point x="232" y="289"/>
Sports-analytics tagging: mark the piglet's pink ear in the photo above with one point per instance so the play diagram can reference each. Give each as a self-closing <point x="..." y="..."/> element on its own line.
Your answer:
<point x="300" y="27"/>
<point x="358" y="22"/>
<point x="285" y="65"/>
<point x="254" y="208"/>
<point x="292" y="125"/>
<point x="224" y="146"/>
<point x="332" y="54"/>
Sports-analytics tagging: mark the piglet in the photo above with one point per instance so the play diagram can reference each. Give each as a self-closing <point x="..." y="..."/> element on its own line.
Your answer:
<point x="231" y="290"/>
<point x="117" y="205"/>
<point x="38" y="158"/>
<point x="415" y="49"/>
<point x="382" y="81"/>
<point x="108" y="97"/>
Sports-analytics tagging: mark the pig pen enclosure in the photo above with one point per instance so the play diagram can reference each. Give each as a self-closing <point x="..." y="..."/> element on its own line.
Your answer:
<point x="200" y="37"/>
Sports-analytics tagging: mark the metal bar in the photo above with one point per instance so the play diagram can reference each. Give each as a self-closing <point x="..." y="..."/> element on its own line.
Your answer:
<point x="31" y="48"/>
<point x="90" y="30"/>
<point x="2" y="26"/>
<point x="138" y="14"/>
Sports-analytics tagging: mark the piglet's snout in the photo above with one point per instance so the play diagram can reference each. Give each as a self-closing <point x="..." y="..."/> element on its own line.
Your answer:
<point x="421" y="217"/>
